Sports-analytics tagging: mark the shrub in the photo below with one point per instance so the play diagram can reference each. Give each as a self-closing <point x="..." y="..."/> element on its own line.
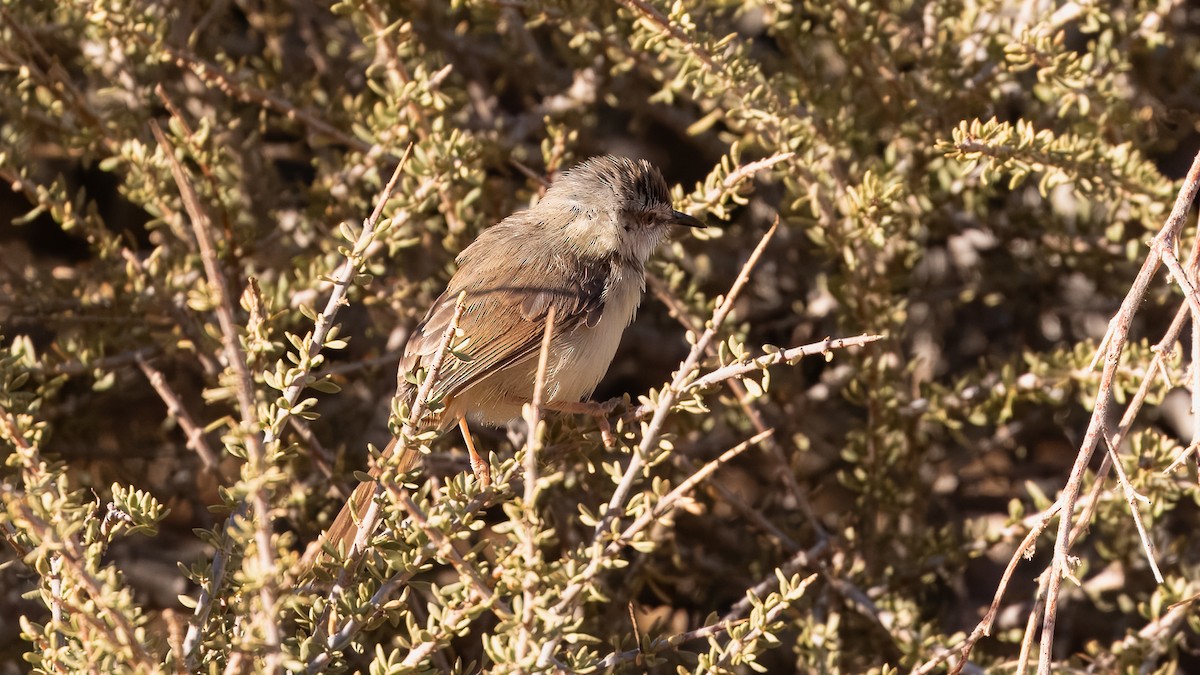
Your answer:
<point x="201" y="319"/>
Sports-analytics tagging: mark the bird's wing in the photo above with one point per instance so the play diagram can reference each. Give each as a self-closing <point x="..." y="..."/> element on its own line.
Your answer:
<point x="508" y="297"/>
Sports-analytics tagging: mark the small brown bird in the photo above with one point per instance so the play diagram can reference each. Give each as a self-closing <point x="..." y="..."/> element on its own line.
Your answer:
<point x="581" y="250"/>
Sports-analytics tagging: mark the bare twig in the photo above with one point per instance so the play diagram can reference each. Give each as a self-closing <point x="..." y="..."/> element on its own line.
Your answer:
<point x="321" y="456"/>
<point x="244" y="391"/>
<point x="670" y="394"/>
<point x="985" y="626"/>
<point x="324" y="322"/>
<point x="1166" y="251"/>
<point x="370" y="520"/>
<point x="1061" y="564"/>
<point x="106" y="363"/>
<point x="533" y="444"/>
<point x="193" y="432"/>
<point x="751" y="364"/>
<point x="1132" y="497"/>
<point x="1193" y="260"/>
<point x="784" y="356"/>
<point x="1157" y="366"/>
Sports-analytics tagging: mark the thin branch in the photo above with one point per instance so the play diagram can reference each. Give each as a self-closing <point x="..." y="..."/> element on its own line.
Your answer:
<point x="342" y="637"/>
<point x="445" y="548"/>
<point x="1158" y="365"/>
<point x="202" y="229"/>
<point x="736" y="646"/>
<point x="665" y="504"/>
<point x="663" y="644"/>
<point x="749" y="365"/>
<point x="370" y="520"/>
<point x="69" y="553"/>
<point x="533" y="412"/>
<point x="680" y="312"/>
<point x="1132" y="497"/>
<point x="666" y="400"/>
<point x="853" y="595"/>
<point x="321" y="456"/>
<point x="670" y="394"/>
<point x="1166" y="250"/>
<point x="655" y="17"/>
<point x="985" y="626"/>
<point x="343" y="278"/>
<point x="244" y="389"/>
<point x="1061" y="563"/>
<point x="792" y="355"/>
<point x="212" y="74"/>
<point x="572" y="592"/>
<point x="529" y="524"/>
<point x="1193" y="261"/>
<point x="324" y="322"/>
<point x="192" y="431"/>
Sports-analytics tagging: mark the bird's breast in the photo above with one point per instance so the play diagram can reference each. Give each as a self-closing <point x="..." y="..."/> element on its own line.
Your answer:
<point x="584" y="355"/>
<point x="577" y="361"/>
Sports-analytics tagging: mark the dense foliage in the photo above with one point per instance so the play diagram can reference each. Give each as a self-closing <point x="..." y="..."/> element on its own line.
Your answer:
<point x="976" y="183"/>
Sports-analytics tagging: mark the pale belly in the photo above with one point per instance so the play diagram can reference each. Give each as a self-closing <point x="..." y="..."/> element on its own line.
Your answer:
<point x="577" y="362"/>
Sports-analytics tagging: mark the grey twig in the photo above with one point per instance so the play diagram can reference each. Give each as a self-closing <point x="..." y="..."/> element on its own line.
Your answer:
<point x="370" y="520"/>
<point x="291" y="394"/>
<point x="670" y="394"/>
<point x="193" y="432"/>
<point x="244" y="391"/>
<point x="533" y="444"/>
<point x="1060" y="565"/>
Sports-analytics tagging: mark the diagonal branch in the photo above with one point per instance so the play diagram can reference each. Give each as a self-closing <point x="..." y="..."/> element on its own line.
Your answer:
<point x="1121" y="325"/>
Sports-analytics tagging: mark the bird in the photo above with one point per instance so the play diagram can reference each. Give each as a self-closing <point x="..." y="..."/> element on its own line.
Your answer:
<point x="579" y="256"/>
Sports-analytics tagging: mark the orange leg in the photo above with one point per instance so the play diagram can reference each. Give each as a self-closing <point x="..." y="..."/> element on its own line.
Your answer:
<point x="480" y="467"/>
<point x="597" y="411"/>
<point x="590" y="408"/>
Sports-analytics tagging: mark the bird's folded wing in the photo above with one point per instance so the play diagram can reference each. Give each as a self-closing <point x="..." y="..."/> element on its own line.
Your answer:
<point x="505" y="316"/>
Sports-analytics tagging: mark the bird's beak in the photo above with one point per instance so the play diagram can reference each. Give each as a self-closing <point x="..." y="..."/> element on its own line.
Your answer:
<point x="681" y="218"/>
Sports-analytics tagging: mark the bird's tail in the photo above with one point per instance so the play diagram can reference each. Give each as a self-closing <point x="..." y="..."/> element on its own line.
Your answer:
<point x="340" y="535"/>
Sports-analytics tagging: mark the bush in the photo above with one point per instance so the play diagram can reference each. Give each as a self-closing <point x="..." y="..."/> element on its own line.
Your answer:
<point x="201" y="320"/>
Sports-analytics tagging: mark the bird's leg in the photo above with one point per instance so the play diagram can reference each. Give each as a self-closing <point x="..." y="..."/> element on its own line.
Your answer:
<point x="480" y="467"/>
<point x="593" y="409"/>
